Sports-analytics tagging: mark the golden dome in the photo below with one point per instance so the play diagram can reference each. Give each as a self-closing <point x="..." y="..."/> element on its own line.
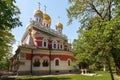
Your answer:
<point x="38" y="13"/>
<point x="59" y="25"/>
<point x="46" y="18"/>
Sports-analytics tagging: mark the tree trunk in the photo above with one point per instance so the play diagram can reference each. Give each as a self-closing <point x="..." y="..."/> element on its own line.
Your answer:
<point x="116" y="59"/>
<point x="104" y="67"/>
<point x="117" y="65"/>
<point x="109" y="66"/>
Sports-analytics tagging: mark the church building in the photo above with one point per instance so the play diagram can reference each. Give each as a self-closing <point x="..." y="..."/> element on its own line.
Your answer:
<point x="43" y="50"/>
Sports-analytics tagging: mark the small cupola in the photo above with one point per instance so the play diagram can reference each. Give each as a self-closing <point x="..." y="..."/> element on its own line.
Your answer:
<point x="38" y="14"/>
<point x="46" y="19"/>
<point x="59" y="26"/>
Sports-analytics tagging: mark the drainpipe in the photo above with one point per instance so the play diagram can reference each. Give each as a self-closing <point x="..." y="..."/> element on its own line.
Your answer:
<point x="50" y="48"/>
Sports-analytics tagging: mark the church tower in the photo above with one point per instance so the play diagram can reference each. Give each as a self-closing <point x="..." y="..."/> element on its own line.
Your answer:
<point x="43" y="50"/>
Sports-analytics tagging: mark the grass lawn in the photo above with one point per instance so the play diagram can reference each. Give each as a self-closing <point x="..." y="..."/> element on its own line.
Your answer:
<point x="100" y="76"/>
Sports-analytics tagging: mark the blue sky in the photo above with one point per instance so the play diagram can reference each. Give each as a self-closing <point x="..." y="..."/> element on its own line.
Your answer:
<point x="54" y="9"/>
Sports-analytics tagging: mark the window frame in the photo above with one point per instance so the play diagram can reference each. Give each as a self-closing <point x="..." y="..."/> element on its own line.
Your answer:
<point x="43" y="43"/>
<point x="57" y="62"/>
<point x="54" y="44"/>
<point x="36" y="64"/>
<point x="69" y="62"/>
<point x="45" y="63"/>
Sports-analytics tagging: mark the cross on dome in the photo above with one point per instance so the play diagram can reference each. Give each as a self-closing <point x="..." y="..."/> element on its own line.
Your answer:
<point x="58" y="18"/>
<point x="39" y="5"/>
<point x="59" y="25"/>
<point x="44" y="8"/>
<point x="38" y="12"/>
<point x="46" y="17"/>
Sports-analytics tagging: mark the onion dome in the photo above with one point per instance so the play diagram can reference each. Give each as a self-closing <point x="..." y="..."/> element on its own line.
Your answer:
<point x="59" y="25"/>
<point x="46" y="17"/>
<point x="38" y="13"/>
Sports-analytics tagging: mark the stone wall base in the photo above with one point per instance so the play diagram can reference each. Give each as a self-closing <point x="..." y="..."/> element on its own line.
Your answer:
<point x="45" y="72"/>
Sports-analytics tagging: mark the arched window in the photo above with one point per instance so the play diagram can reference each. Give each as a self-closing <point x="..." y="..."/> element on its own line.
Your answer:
<point x="69" y="63"/>
<point x="57" y="62"/>
<point x="44" y="24"/>
<point x="54" y="45"/>
<point x="39" y="19"/>
<point x="61" y="46"/>
<point x="45" y="43"/>
<point x="47" y="25"/>
<point x="36" y="19"/>
<point x="45" y="63"/>
<point x="59" y="30"/>
<point x="36" y="62"/>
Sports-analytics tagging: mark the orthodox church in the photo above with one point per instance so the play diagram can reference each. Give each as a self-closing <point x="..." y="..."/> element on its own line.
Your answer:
<point x="43" y="50"/>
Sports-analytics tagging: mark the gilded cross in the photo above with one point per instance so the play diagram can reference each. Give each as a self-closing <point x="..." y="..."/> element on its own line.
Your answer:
<point x="45" y="8"/>
<point x="39" y="5"/>
<point x="58" y="18"/>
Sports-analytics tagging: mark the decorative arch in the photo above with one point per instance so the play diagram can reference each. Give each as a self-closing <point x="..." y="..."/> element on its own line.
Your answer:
<point x="69" y="62"/>
<point x="61" y="46"/>
<point x="45" y="61"/>
<point x="46" y="24"/>
<point x="45" y="43"/>
<point x="57" y="61"/>
<point x="54" y="44"/>
<point x="38" y="19"/>
<point x="36" y="61"/>
<point x="59" y="30"/>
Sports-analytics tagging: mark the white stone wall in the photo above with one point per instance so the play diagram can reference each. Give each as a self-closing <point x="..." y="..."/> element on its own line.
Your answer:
<point x="26" y="66"/>
<point x="63" y="65"/>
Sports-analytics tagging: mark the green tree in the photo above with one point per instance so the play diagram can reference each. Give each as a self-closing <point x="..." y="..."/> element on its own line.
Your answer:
<point x="9" y="15"/>
<point x="99" y="30"/>
<point x="5" y="48"/>
<point x="8" y="19"/>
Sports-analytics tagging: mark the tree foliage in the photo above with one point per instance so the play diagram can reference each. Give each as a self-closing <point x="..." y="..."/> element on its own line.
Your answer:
<point x="98" y="33"/>
<point x="9" y="19"/>
<point x="84" y="10"/>
<point x="9" y="14"/>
